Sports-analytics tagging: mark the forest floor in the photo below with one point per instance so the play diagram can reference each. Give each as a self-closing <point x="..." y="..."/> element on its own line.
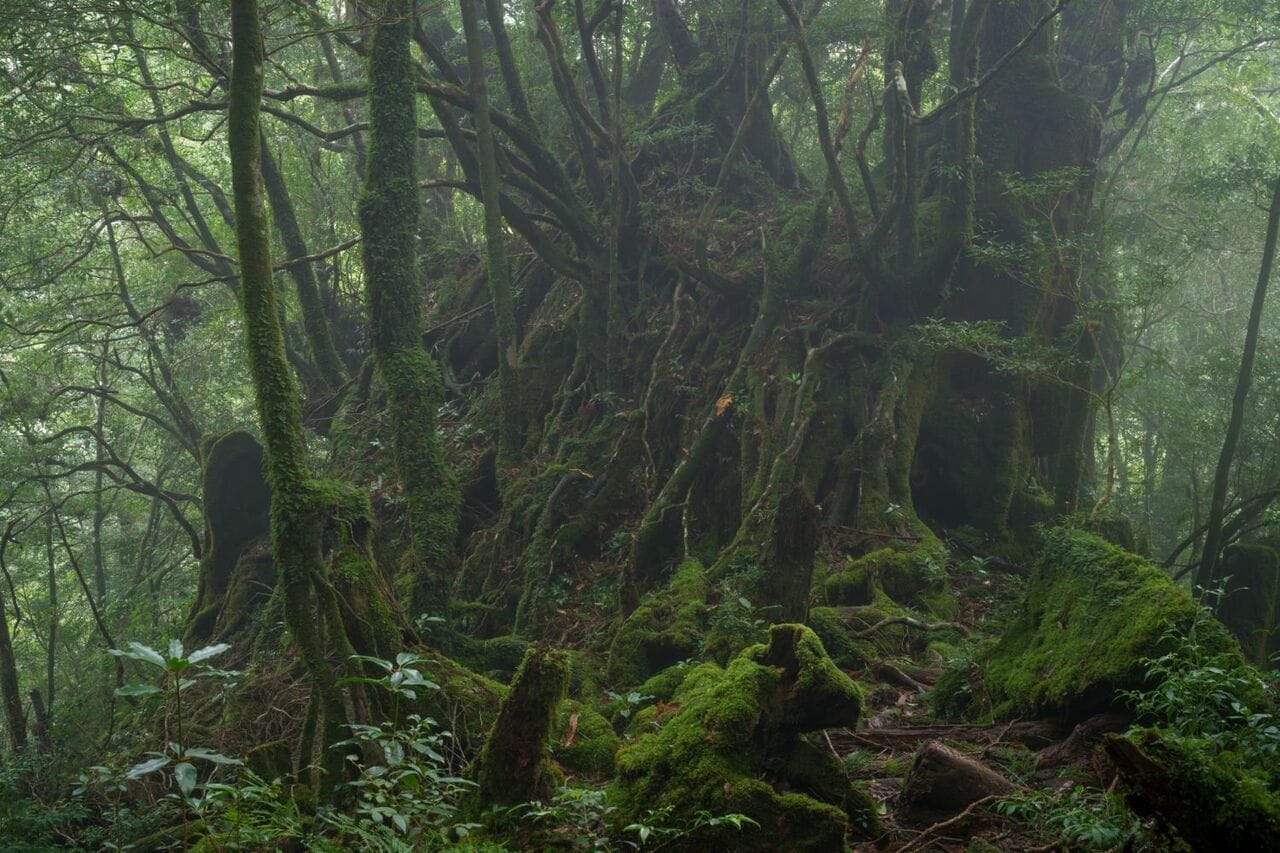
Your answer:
<point x="1057" y="776"/>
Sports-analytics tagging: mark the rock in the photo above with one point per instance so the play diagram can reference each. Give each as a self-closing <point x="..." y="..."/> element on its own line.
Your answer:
<point x="1091" y="615"/>
<point x="942" y="783"/>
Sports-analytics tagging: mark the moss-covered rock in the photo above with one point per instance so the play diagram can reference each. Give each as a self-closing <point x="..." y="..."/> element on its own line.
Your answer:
<point x="913" y="576"/>
<point x="830" y="627"/>
<point x="584" y="741"/>
<point x="734" y="725"/>
<point x="665" y="629"/>
<point x="1092" y="613"/>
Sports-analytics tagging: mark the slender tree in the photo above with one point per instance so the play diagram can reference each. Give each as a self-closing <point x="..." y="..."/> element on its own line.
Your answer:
<point x="296" y="520"/>
<point x="496" y="268"/>
<point x="389" y="223"/>
<point x="1207" y="572"/>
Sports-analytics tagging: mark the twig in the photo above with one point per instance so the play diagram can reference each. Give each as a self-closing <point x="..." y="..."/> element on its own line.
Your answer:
<point x="912" y="623"/>
<point x="919" y="840"/>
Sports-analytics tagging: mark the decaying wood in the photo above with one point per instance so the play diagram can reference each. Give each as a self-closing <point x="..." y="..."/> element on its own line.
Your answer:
<point x="1035" y="734"/>
<point x="942" y="782"/>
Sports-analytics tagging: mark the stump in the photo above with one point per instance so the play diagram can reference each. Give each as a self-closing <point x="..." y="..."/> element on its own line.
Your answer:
<point x="942" y="782"/>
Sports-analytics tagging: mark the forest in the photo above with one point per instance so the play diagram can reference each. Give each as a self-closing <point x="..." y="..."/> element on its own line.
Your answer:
<point x="601" y="425"/>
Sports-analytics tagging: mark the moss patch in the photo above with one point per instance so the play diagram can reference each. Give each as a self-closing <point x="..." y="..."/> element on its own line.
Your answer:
<point x="584" y="742"/>
<point x="665" y="629"/>
<point x="729" y="724"/>
<point x="1091" y="614"/>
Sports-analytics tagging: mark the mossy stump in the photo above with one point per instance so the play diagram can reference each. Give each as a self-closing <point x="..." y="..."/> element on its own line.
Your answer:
<point x="735" y="745"/>
<point x="237" y="509"/>
<point x="513" y="766"/>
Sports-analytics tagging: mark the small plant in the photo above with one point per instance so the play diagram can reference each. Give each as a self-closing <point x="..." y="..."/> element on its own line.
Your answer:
<point x="181" y="669"/>
<point x="576" y="819"/>
<point x="410" y="792"/>
<point x="1197" y="693"/>
<point x="632" y="701"/>
<point x="1082" y="818"/>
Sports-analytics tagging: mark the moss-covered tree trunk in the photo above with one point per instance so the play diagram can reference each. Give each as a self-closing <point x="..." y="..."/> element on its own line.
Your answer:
<point x="10" y="694"/>
<point x="296" y="520"/>
<point x="389" y="225"/>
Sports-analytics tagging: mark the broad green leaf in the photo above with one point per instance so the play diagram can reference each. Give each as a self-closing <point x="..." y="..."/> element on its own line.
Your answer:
<point x="185" y="775"/>
<point x="210" y="755"/>
<point x="207" y="652"/>
<point x="137" y="651"/>
<point x="175" y="649"/>
<point x="137" y="690"/>
<point x="145" y="767"/>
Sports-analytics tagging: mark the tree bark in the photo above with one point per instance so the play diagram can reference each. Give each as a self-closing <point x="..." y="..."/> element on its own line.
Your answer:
<point x="296" y="524"/>
<point x="389" y="225"/>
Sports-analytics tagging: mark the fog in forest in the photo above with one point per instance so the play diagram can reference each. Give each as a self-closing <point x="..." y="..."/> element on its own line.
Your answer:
<point x="601" y="425"/>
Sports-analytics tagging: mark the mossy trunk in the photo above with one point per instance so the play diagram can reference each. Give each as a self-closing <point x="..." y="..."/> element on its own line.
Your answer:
<point x="514" y="766"/>
<point x="296" y="522"/>
<point x="389" y="226"/>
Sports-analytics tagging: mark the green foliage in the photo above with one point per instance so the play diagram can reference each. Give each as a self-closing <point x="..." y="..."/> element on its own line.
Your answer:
<point x="1196" y="692"/>
<point x="181" y="669"/>
<point x="1082" y="818"/>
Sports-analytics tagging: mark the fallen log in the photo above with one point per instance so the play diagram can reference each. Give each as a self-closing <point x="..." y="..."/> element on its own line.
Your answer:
<point x="1034" y="734"/>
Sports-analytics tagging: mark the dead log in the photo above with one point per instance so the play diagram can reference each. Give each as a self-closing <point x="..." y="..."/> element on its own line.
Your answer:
<point x="1036" y="734"/>
<point x="1080" y="743"/>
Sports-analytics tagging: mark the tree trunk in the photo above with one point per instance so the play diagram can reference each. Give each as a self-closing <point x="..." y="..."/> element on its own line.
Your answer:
<point x="1207" y="571"/>
<point x="296" y="522"/>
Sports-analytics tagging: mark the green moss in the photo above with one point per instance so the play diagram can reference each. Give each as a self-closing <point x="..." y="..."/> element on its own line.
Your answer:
<point x="665" y="629"/>
<point x="513" y="766"/>
<point x="493" y="655"/>
<point x="830" y="628"/>
<point x="914" y="576"/>
<point x="1212" y="799"/>
<point x="1091" y="614"/>
<point x="665" y="684"/>
<point x="585" y="745"/>
<point x="728" y="725"/>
